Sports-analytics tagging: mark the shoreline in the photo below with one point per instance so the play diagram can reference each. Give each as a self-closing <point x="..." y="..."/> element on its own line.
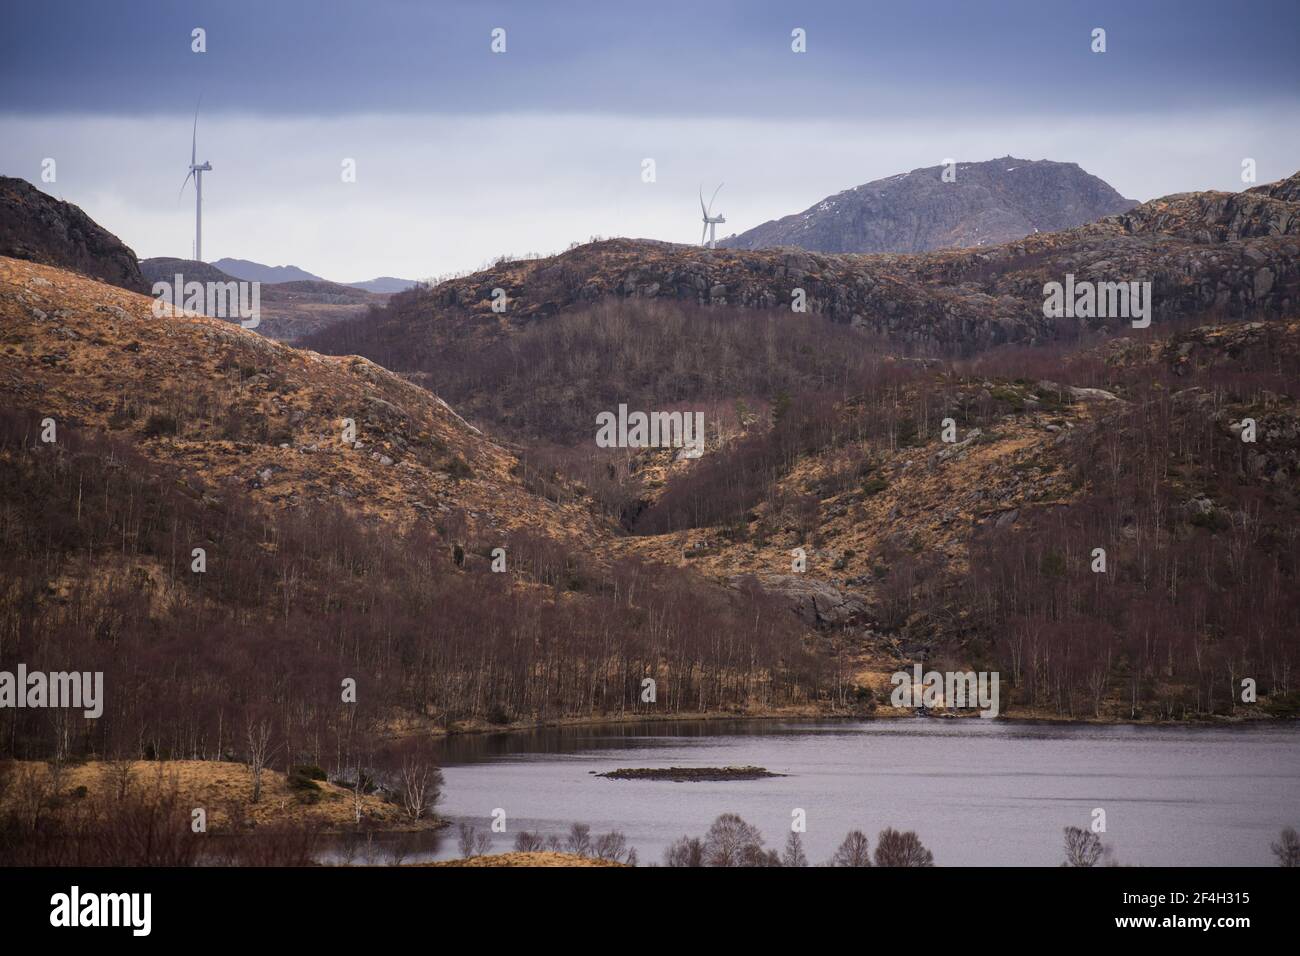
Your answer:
<point x="612" y="720"/>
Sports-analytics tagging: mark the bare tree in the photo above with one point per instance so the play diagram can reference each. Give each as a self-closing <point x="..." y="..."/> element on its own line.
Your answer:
<point x="611" y="846"/>
<point x="58" y="774"/>
<point x="466" y="840"/>
<point x="794" y="854"/>
<point x="1082" y="847"/>
<point x="117" y="774"/>
<point x="399" y="848"/>
<point x="686" y="851"/>
<point x="358" y="788"/>
<point x="1287" y="849"/>
<point x="732" y="842"/>
<point x="259" y="752"/>
<point x="471" y="842"/>
<point x="901" y="849"/>
<point x="854" y="851"/>
<point x="579" y="840"/>
<point x="421" y="786"/>
<point x="31" y="794"/>
<point x="526" y="842"/>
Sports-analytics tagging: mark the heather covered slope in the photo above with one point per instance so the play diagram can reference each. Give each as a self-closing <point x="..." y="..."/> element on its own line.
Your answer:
<point x="230" y="406"/>
<point x="983" y="204"/>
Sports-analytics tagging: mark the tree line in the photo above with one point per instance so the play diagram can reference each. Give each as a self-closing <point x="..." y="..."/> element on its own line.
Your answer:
<point x="95" y="550"/>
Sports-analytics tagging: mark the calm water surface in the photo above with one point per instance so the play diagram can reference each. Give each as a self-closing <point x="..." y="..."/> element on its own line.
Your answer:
<point x="977" y="792"/>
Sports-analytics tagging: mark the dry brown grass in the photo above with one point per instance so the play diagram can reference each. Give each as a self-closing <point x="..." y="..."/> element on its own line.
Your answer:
<point x="83" y="351"/>
<point x="224" y="789"/>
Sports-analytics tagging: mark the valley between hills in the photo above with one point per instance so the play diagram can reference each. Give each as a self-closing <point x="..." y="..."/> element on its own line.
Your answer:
<point x="409" y="499"/>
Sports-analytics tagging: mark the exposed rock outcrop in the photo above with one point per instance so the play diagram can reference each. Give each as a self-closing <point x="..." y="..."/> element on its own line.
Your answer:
<point x="816" y="601"/>
<point x="39" y="228"/>
<point x="980" y="204"/>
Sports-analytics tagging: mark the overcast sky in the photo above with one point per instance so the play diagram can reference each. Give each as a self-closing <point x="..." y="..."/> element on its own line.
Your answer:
<point x="463" y="155"/>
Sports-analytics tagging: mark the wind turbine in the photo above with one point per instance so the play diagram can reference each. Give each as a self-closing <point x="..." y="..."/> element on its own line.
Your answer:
<point x="709" y="220"/>
<point x="197" y="170"/>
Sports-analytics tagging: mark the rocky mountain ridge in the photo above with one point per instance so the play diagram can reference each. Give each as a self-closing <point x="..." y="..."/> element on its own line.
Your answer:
<point x="967" y="205"/>
<point x="1226" y="253"/>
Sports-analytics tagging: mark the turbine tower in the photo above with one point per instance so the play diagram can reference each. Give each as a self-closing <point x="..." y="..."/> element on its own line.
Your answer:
<point x="709" y="220"/>
<point x="197" y="170"/>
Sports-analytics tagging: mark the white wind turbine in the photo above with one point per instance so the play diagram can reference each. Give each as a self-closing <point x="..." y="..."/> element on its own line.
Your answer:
<point x="710" y="220"/>
<point x="197" y="170"/>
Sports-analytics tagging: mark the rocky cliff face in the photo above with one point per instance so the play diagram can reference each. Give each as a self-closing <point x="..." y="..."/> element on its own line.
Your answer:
<point x="39" y="228"/>
<point x="1287" y="189"/>
<point x="987" y="203"/>
<point x="1220" y="217"/>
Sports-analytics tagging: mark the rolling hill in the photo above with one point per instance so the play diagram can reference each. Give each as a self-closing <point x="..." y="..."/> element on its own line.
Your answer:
<point x="257" y="272"/>
<point x="290" y="310"/>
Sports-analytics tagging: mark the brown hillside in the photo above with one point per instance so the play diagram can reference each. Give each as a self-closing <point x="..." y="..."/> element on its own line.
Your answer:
<point x="250" y="414"/>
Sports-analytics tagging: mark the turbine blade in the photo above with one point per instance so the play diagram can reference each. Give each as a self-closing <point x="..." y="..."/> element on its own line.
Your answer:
<point x="702" y="209"/>
<point x="714" y="196"/>
<point x="184" y="184"/>
<point x="704" y="233"/>
<point x="194" y="135"/>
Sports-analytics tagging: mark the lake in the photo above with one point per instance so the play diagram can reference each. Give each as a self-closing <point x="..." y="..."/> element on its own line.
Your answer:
<point x="978" y="792"/>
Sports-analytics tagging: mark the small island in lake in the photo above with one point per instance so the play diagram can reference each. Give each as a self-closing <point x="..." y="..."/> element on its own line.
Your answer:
<point x="687" y="774"/>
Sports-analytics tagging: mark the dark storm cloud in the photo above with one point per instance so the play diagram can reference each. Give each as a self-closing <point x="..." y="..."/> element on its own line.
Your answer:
<point x="865" y="59"/>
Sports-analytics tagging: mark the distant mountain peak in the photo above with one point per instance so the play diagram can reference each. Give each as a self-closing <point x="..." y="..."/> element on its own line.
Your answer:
<point x="251" y="271"/>
<point x="384" y="284"/>
<point x="990" y="202"/>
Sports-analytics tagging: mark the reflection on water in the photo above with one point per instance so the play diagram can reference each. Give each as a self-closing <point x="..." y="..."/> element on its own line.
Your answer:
<point x="977" y="791"/>
<point x="386" y="849"/>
